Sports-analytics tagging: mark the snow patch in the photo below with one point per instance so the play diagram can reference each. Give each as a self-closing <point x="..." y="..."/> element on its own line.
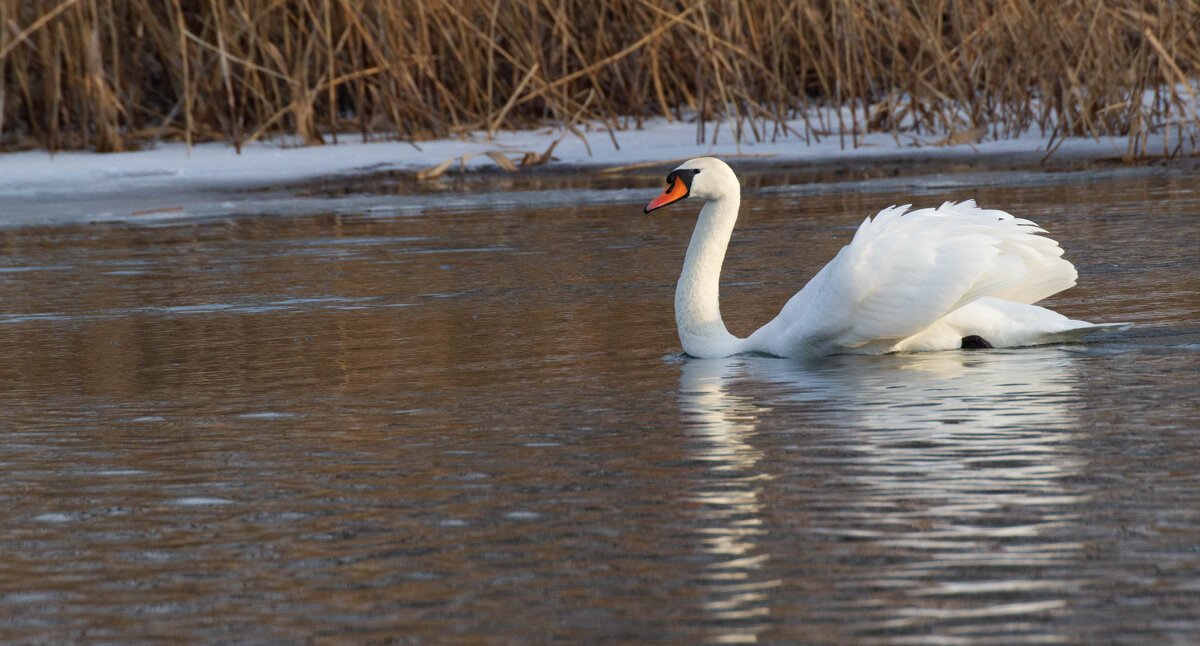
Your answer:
<point x="169" y="183"/>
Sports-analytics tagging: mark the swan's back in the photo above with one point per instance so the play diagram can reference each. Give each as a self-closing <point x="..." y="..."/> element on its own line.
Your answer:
<point x="1030" y="266"/>
<point x="906" y="270"/>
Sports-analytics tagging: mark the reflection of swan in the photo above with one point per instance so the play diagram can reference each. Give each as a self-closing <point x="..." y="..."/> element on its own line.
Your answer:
<point x="938" y="413"/>
<point x="730" y="501"/>
<point x="931" y="279"/>
<point x="901" y="482"/>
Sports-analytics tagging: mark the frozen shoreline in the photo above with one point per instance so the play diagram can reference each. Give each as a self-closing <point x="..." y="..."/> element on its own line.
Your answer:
<point x="168" y="183"/>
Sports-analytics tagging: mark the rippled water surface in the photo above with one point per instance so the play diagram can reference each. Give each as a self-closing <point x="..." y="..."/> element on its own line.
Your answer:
<point x="464" y="419"/>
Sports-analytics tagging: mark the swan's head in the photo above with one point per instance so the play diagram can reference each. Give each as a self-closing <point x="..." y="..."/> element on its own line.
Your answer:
<point x="707" y="178"/>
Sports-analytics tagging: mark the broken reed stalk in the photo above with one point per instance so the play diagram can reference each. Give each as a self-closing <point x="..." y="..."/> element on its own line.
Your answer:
<point x="112" y="75"/>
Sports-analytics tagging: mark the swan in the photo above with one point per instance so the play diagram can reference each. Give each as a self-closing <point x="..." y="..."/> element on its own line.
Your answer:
<point x="957" y="276"/>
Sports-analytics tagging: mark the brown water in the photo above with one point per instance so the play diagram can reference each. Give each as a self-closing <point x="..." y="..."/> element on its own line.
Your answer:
<point x="469" y="423"/>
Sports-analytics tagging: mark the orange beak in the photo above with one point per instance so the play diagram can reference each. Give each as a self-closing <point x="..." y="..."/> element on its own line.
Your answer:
<point x="675" y="191"/>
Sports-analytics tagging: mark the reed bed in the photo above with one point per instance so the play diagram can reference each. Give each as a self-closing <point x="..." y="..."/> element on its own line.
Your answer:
<point x="114" y="75"/>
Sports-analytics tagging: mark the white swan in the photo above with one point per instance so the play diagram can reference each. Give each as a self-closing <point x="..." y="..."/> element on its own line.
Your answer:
<point x="957" y="276"/>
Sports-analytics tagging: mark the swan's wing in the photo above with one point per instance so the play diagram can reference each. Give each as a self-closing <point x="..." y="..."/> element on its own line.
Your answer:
<point x="904" y="270"/>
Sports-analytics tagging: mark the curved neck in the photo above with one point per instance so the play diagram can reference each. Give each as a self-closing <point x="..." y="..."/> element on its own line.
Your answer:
<point x="697" y="307"/>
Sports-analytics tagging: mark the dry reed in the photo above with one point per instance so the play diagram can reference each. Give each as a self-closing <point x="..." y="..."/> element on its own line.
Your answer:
<point x="117" y="74"/>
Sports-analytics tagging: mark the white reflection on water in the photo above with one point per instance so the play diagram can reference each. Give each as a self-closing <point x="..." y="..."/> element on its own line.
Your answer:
<point x="737" y="582"/>
<point x="943" y="471"/>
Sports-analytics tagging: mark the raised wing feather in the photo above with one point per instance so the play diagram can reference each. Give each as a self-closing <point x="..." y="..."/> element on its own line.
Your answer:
<point x="904" y="270"/>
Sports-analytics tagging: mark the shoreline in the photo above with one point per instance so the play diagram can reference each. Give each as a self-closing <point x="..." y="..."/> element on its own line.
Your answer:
<point x="169" y="184"/>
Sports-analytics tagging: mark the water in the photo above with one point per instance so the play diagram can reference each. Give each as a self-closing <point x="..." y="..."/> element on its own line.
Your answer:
<point x="469" y="423"/>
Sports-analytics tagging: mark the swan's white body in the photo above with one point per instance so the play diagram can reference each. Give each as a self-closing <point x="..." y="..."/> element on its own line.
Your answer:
<point x="908" y="281"/>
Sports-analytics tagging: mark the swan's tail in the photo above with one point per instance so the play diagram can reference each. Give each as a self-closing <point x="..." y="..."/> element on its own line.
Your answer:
<point x="1076" y="333"/>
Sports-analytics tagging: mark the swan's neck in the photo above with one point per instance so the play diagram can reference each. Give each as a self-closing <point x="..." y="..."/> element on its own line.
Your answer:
<point x="697" y="307"/>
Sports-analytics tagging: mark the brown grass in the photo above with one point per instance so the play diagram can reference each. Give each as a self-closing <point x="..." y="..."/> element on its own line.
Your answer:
<point x="117" y="74"/>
